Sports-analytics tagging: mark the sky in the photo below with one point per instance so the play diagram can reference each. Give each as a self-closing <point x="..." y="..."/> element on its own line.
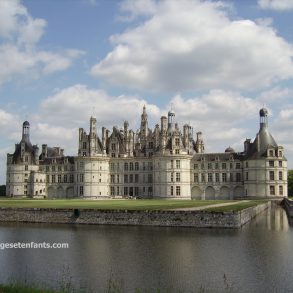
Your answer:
<point x="215" y="63"/>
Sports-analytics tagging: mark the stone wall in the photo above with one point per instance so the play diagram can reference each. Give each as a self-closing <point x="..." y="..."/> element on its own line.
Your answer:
<point x="198" y="219"/>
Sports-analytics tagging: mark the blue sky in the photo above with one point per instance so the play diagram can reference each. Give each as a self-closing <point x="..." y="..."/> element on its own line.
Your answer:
<point x="215" y="62"/>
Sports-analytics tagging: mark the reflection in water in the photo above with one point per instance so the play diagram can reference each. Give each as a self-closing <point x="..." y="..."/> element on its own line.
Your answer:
<point x="256" y="258"/>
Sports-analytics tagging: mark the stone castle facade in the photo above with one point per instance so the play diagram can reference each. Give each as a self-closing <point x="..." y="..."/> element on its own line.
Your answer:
<point x="161" y="163"/>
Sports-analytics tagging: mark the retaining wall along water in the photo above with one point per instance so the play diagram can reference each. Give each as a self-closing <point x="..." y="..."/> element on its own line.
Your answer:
<point x="174" y="218"/>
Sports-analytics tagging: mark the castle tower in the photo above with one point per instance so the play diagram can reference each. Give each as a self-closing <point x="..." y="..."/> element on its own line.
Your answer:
<point x="93" y="136"/>
<point x="26" y="131"/>
<point x="171" y="121"/>
<point x="144" y="124"/>
<point x="199" y="144"/>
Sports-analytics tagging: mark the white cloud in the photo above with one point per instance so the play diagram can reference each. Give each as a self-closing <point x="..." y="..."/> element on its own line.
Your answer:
<point x="74" y="106"/>
<point x="190" y="45"/>
<point x="224" y="117"/>
<point x="275" y="95"/>
<point x="19" y="54"/>
<point x="137" y="8"/>
<point x="279" y="5"/>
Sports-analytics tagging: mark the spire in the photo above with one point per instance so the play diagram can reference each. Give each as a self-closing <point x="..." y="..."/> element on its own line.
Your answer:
<point x="26" y="131"/>
<point x="263" y="116"/>
<point x="144" y="123"/>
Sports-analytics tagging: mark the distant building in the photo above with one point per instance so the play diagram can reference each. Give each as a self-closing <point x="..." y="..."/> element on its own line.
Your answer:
<point x="159" y="163"/>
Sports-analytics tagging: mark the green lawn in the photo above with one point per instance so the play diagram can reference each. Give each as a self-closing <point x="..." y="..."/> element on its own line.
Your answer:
<point x="237" y="207"/>
<point x="146" y="204"/>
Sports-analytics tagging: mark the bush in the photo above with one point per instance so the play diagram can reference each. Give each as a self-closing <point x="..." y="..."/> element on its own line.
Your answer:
<point x="290" y="182"/>
<point x="2" y="190"/>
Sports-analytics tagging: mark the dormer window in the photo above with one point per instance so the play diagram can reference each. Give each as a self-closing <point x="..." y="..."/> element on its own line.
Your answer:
<point x="271" y="153"/>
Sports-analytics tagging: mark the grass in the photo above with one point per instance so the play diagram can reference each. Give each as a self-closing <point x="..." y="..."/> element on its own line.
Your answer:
<point x="238" y="206"/>
<point x="147" y="204"/>
<point x="19" y="288"/>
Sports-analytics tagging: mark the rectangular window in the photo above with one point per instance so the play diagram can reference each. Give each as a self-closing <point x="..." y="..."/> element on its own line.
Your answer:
<point x="172" y="164"/>
<point x="112" y="190"/>
<point x="59" y="168"/>
<point x="271" y="163"/>
<point x="26" y="168"/>
<point x="113" y="155"/>
<point x="272" y="190"/>
<point x="177" y="152"/>
<point x="231" y="177"/>
<point x="150" y="178"/>
<point x="81" y="177"/>
<point x="172" y="177"/>
<point x="136" y="190"/>
<point x="81" y="165"/>
<point x="280" y="163"/>
<point x="195" y="177"/>
<point x="202" y="166"/>
<point x="150" y="165"/>
<point x="65" y="167"/>
<point x="203" y="177"/>
<point x="238" y="177"/>
<point x="224" y="177"/>
<point x="48" y="178"/>
<point x="130" y="178"/>
<point x="136" y="166"/>
<point x="118" y="191"/>
<point x="210" y="177"/>
<point x="80" y="190"/>
<point x="136" y="178"/>
<point x="53" y="168"/>
<point x="59" y="178"/>
<point x="112" y="178"/>
<point x="217" y="177"/>
<point x="238" y="165"/>
<point x="172" y="190"/>
<point x="177" y="190"/>
<point x="113" y="147"/>
<point x="84" y="145"/>
<point x="177" y="177"/>
<point x="151" y="145"/>
<point x="126" y="166"/>
<point x="216" y="165"/>
<point x="125" y="190"/>
<point x="177" y="142"/>
<point x="65" y="178"/>
<point x="231" y="165"/>
<point x="53" y="179"/>
<point x="47" y="168"/>
<point x="125" y="178"/>
<point x="131" y="166"/>
<point x="84" y="154"/>
<point x="209" y="165"/>
<point x="117" y="178"/>
<point x="195" y="166"/>
<point x="280" y="190"/>
<point x="272" y="175"/>
<point x="271" y="153"/>
<point x="71" y="178"/>
<point x="246" y="174"/>
<point x="280" y="175"/>
<point x="223" y="166"/>
<point x="177" y="164"/>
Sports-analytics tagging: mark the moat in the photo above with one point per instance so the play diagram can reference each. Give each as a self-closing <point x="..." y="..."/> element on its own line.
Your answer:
<point x="256" y="258"/>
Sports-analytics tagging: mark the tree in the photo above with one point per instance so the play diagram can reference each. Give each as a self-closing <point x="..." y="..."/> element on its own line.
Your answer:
<point x="2" y="190"/>
<point x="290" y="182"/>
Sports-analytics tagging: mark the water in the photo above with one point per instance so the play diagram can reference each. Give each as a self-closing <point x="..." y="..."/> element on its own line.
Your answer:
<point x="256" y="258"/>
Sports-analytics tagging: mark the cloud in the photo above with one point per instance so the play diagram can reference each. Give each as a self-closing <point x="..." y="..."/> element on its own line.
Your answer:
<point x="74" y="106"/>
<point x="191" y="45"/>
<point x="279" y="5"/>
<point x="19" y="54"/>
<point x="137" y="8"/>
<point x="224" y="117"/>
<point x="275" y="95"/>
